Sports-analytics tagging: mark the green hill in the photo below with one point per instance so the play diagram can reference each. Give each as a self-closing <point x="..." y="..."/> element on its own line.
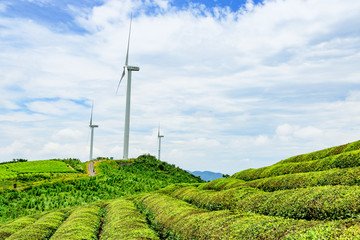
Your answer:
<point x="46" y="185"/>
<point x="310" y="196"/>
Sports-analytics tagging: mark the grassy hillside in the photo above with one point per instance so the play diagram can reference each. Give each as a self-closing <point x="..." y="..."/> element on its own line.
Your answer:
<point x="114" y="179"/>
<point x="319" y="201"/>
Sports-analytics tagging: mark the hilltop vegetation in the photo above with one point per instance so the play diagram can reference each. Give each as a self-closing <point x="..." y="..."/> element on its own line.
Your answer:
<point x="310" y="196"/>
<point x="114" y="179"/>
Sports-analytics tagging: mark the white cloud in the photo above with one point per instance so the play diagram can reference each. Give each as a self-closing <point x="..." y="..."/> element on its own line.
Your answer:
<point x="58" y="107"/>
<point x="285" y="132"/>
<point x="262" y="140"/>
<point x="3" y="6"/>
<point x="68" y="134"/>
<point x="261" y="84"/>
<point x="353" y="97"/>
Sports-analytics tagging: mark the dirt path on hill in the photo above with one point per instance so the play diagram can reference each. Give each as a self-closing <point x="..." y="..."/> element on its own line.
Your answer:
<point x="70" y="167"/>
<point x="91" y="169"/>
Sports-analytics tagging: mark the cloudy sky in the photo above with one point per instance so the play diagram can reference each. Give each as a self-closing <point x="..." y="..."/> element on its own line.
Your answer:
<point x="234" y="84"/>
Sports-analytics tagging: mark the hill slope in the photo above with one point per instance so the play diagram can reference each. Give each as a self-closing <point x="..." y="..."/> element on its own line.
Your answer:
<point x="324" y="205"/>
<point x="114" y="179"/>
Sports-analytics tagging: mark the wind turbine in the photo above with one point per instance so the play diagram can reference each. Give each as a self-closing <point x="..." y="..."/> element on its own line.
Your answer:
<point x="127" y="69"/>
<point x="92" y="132"/>
<point x="159" y="138"/>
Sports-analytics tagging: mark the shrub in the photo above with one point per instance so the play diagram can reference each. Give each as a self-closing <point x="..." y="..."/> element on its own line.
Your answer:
<point x="123" y="221"/>
<point x="10" y="228"/>
<point x="323" y="203"/>
<point x="83" y="223"/>
<point x="344" y="230"/>
<point x="346" y="176"/>
<point x="223" y="183"/>
<point x="324" y="153"/>
<point x="175" y="219"/>
<point x="343" y="160"/>
<point x="42" y="228"/>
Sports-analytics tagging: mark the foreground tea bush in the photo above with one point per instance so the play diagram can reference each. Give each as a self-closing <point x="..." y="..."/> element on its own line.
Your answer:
<point x="8" y="229"/>
<point x="83" y="223"/>
<point x="323" y="203"/>
<point x="123" y="221"/>
<point x="42" y="228"/>
<point x="343" y="160"/>
<point x="176" y="219"/>
<point x="340" y="230"/>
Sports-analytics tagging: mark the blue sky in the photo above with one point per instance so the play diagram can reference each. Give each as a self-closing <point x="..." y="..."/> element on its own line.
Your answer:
<point x="234" y="84"/>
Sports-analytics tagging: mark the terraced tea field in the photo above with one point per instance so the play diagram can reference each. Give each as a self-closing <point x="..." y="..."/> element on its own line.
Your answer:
<point x="23" y="174"/>
<point x="46" y="166"/>
<point x="310" y="196"/>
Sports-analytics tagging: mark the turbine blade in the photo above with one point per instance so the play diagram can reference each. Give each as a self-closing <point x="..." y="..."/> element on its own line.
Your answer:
<point x="128" y="46"/>
<point x="122" y="76"/>
<point x="92" y="107"/>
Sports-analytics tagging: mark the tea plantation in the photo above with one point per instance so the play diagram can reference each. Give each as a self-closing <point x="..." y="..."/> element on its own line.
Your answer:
<point x="310" y="196"/>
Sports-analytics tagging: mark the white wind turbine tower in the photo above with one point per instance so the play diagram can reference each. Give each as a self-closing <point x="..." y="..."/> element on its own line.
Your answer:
<point x="127" y="69"/>
<point x="92" y="132"/>
<point x="159" y="140"/>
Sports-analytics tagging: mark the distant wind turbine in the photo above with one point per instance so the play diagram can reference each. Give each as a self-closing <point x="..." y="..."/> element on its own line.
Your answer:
<point x="127" y="69"/>
<point x="92" y="132"/>
<point x="159" y="138"/>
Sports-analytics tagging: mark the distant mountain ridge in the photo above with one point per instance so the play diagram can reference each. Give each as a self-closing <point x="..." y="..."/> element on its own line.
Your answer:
<point x="206" y="175"/>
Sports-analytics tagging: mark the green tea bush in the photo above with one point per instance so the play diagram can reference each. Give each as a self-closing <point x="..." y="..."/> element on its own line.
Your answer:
<point x="322" y="203"/>
<point x="343" y="160"/>
<point x="175" y="219"/>
<point x="346" y="176"/>
<point x="123" y="221"/>
<point x="42" y="228"/>
<point x="83" y="223"/>
<point x="172" y="188"/>
<point x="223" y="183"/>
<point x="10" y="228"/>
<point x="324" y="153"/>
<point x="340" y="229"/>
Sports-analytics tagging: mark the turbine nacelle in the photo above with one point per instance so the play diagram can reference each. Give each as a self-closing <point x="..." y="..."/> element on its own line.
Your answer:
<point x="133" y="68"/>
